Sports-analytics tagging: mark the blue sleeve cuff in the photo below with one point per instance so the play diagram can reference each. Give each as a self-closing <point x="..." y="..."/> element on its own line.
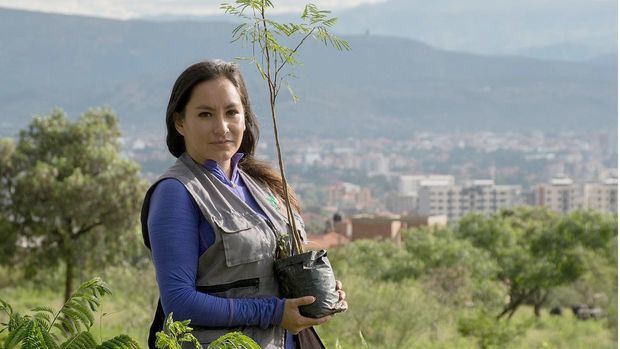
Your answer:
<point x="278" y="311"/>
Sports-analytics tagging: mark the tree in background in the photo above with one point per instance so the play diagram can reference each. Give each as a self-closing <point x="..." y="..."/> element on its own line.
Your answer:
<point x="67" y="195"/>
<point x="7" y="239"/>
<point x="536" y="249"/>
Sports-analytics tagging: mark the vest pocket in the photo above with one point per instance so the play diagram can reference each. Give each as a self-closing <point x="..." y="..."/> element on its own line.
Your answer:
<point x="252" y="283"/>
<point x="243" y="240"/>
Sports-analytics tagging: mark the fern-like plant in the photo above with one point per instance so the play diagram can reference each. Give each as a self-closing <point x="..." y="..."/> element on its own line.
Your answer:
<point x="234" y="340"/>
<point x="67" y="328"/>
<point x="177" y="332"/>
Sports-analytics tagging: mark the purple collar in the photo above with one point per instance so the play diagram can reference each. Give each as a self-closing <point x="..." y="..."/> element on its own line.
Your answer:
<point x="215" y="169"/>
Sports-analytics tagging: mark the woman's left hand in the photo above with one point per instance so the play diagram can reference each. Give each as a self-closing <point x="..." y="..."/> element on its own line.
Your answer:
<point x="341" y="295"/>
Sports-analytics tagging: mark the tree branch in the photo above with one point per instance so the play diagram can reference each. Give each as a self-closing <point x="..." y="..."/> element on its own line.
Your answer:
<point x="85" y="230"/>
<point x="295" y="50"/>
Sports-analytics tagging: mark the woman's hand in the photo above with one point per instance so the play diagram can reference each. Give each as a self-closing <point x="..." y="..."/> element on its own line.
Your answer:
<point x="341" y="295"/>
<point x="293" y="321"/>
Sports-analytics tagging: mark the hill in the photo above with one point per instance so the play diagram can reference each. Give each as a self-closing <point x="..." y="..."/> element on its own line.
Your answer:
<point x="385" y="87"/>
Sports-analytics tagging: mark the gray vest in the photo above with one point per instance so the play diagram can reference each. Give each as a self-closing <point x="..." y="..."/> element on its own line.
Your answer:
<point x="239" y="264"/>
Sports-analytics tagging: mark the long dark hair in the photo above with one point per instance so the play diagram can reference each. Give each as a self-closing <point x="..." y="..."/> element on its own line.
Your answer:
<point x="179" y="97"/>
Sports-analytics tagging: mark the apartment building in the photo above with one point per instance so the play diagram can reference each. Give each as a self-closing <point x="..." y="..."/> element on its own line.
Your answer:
<point x="560" y="195"/>
<point x="563" y="195"/>
<point x="349" y="197"/>
<point x="454" y="201"/>
<point x="602" y="196"/>
<point x="406" y="200"/>
<point x="410" y="184"/>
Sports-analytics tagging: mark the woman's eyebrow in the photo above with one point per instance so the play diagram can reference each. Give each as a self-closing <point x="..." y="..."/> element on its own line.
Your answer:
<point x="204" y="107"/>
<point x="228" y="106"/>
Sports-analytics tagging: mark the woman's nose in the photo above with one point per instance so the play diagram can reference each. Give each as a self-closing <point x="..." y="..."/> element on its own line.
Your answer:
<point x="221" y="126"/>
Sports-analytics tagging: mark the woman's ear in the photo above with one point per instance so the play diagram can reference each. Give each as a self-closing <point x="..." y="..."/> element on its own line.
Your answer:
<point x="178" y="123"/>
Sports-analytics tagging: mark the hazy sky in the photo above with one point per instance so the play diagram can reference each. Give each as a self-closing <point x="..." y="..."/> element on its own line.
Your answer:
<point x="126" y="9"/>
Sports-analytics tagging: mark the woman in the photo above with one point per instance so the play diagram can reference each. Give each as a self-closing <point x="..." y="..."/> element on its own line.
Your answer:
<point x="210" y="220"/>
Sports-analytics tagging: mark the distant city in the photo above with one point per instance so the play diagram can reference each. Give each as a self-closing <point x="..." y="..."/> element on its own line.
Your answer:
<point x="441" y="176"/>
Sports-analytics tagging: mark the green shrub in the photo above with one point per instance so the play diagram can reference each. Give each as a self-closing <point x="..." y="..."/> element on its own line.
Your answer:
<point x="491" y="332"/>
<point x="67" y="328"/>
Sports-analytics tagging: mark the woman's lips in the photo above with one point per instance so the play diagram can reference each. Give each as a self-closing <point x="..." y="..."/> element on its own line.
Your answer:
<point x="220" y="142"/>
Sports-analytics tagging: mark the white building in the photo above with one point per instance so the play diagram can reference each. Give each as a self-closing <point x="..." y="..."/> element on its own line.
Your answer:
<point x="602" y="196"/>
<point x="409" y="184"/>
<point x="560" y="195"/>
<point x="402" y="204"/>
<point x="455" y="201"/>
<point x="563" y="195"/>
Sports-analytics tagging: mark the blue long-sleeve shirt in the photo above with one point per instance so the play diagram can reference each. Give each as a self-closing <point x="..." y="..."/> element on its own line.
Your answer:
<point x="179" y="234"/>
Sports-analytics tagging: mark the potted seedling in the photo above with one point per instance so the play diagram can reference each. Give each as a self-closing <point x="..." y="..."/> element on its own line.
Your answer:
<point x="299" y="273"/>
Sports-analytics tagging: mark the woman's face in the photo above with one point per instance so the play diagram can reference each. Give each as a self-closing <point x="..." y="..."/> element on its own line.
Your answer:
<point x="214" y="122"/>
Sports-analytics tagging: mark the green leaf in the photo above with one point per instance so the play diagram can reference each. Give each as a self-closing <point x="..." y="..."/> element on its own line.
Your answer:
<point x="119" y="342"/>
<point x="78" y="310"/>
<point x="290" y="90"/>
<point x="234" y="340"/>
<point x="175" y="333"/>
<point x="17" y="334"/>
<point x="83" y="340"/>
<point x="37" y="337"/>
<point x="6" y="307"/>
<point x="44" y="309"/>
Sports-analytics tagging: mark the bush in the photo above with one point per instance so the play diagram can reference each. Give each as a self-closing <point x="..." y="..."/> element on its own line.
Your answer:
<point x="68" y="328"/>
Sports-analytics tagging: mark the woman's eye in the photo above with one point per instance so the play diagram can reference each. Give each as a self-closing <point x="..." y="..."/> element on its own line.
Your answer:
<point x="204" y="114"/>
<point x="233" y="112"/>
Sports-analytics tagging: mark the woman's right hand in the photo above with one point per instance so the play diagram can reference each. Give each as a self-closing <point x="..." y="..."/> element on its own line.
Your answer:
<point x="293" y="321"/>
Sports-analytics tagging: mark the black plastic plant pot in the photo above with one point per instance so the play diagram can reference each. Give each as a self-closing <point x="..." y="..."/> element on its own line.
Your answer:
<point x="309" y="274"/>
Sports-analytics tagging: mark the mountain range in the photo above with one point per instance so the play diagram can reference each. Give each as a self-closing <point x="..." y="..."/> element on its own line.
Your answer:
<point x="385" y="86"/>
<point x="571" y="30"/>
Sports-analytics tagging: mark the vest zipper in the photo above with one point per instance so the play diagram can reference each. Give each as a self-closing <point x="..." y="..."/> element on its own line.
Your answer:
<point x="228" y="286"/>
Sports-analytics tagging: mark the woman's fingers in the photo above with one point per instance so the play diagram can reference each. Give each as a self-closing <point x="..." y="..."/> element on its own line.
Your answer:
<point x="321" y="320"/>
<point x="341" y="295"/>
<point x="303" y="300"/>
<point x="338" y="285"/>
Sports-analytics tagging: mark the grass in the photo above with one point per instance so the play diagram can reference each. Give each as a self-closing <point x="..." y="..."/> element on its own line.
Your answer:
<point x="386" y="315"/>
<point x="566" y="331"/>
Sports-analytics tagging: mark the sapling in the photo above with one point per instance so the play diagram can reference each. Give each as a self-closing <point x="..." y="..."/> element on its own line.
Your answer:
<point x="273" y="60"/>
<point x="298" y="273"/>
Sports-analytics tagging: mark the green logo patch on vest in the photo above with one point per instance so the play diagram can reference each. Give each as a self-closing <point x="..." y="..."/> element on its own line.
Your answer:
<point x="273" y="201"/>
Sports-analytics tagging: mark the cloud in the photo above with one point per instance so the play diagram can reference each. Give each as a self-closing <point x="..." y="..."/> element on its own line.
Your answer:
<point x="123" y="9"/>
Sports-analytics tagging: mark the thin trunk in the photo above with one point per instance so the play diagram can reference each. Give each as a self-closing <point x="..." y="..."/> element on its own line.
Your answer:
<point x="515" y="302"/>
<point x="537" y="308"/>
<point x="513" y="311"/>
<point x="296" y="239"/>
<point x="68" y="276"/>
<point x="539" y="301"/>
<point x="509" y="308"/>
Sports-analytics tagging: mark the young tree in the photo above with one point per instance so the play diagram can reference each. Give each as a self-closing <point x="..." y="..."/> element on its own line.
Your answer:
<point x="273" y="59"/>
<point x="67" y="194"/>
